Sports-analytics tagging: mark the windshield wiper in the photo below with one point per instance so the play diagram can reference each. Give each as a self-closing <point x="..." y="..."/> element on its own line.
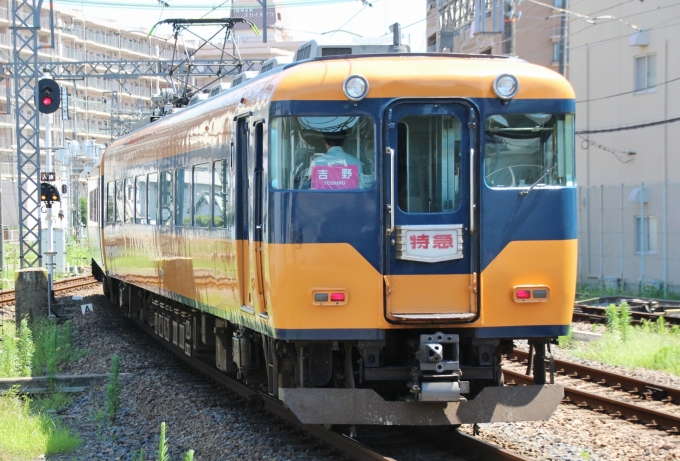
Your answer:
<point x="545" y="173"/>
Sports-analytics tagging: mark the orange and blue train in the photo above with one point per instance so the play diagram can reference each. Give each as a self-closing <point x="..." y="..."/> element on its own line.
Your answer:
<point x="361" y="236"/>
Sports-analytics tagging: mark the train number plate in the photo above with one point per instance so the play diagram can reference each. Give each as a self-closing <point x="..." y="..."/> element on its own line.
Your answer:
<point x="429" y="243"/>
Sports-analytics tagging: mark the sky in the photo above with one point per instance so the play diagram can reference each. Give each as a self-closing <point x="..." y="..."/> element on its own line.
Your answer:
<point x="308" y="18"/>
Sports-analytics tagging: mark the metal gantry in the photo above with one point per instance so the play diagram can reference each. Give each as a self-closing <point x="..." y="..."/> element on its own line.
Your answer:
<point x="455" y="15"/>
<point x="25" y="24"/>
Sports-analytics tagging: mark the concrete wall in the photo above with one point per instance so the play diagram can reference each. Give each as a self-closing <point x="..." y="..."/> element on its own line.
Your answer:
<point x="607" y="235"/>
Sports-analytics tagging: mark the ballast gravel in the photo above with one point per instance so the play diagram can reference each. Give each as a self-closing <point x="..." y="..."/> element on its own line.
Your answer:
<point x="197" y="413"/>
<point x="219" y="427"/>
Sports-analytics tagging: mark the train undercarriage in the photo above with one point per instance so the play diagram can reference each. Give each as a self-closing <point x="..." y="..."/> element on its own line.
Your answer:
<point x="411" y="377"/>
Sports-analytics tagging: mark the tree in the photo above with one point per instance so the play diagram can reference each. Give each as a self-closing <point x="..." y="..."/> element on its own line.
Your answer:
<point x="83" y="210"/>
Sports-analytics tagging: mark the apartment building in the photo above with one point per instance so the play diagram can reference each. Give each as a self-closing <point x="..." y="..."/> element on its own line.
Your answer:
<point x="94" y="103"/>
<point x="537" y="37"/>
<point x="627" y="84"/>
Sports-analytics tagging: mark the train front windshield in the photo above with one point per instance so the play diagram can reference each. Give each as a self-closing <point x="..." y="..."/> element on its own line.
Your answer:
<point x="322" y="153"/>
<point x="523" y="149"/>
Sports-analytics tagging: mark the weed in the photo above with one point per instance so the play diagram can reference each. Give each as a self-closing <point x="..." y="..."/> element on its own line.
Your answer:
<point x="16" y="351"/>
<point x="624" y="321"/>
<point x="113" y="389"/>
<point x="619" y="320"/>
<point x="25" y="349"/>
<point x="189" y="455"/>
<point x="52" y="346"/>
<point x="163" y="454"/>
<point x="661" y="326"/>
<point x="612" y="317"/>
<point x="138" y="457"/>
<point x="568" y="341"/>
<point x="52" y="401"/>
<point x="585" y="455"/>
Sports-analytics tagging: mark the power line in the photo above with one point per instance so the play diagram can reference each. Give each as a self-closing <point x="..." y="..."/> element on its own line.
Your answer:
<point x="630" y="127"/>
<point x="627" y="92"/>
<point x="585" y="17"/>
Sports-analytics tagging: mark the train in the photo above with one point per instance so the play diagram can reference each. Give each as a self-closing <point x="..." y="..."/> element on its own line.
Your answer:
<point x="361" y="236"/>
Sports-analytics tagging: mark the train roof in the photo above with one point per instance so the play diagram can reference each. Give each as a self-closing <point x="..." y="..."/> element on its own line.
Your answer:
<point x="417" y="75"/>
<point x="390" y="76"/>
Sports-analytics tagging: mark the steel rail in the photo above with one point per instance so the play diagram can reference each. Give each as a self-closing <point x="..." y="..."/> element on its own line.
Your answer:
<point x="614" y="381"/>
<point x="8" y="296"/>
<point x="615" y="408"/>
<point x="595" y="314"/>
<point x="347" y="445"/>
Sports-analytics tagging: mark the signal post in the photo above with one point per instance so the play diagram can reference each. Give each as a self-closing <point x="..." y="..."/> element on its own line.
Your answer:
<point x="48" y="102"/>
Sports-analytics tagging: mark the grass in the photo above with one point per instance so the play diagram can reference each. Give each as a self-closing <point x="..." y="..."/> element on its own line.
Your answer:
<point x="652" y="345"/>
<point x="77" y="254"/>
<point x="16" y="351"/>
<point x="587" y="291"/>
<point x="28" y="432"/>
<point x="39" y="350"/>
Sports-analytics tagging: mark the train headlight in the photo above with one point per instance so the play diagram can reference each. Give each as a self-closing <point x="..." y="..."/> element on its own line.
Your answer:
<point x="355" y="87"/>
<point x="506" y="86"/>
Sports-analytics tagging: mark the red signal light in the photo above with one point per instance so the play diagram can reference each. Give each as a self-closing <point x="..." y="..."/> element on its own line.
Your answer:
<point x="47" y="101"/>
<point x="337" y="296"/>
<point x="523" y="294"/>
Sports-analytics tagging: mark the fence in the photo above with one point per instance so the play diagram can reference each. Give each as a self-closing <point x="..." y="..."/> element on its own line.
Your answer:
<point x="629" y="236"/>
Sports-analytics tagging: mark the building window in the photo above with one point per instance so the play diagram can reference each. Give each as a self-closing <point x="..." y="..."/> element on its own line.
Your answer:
<point x="645" y="73"/>
<point x="556" y="52"/>
<point x="645" y="235"/>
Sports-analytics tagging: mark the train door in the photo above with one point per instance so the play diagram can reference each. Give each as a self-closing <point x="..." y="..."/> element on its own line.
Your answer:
<point x="430" y="251"/>
<point x="243" y="214"/>
<point x="256" y="232"/>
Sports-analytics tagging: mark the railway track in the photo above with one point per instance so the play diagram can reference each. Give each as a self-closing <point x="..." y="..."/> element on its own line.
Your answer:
<point x="7" y="296"/>
<point x="454" y="439"/>
<point x="669" y="422"/>
<point x="594" y="314"/>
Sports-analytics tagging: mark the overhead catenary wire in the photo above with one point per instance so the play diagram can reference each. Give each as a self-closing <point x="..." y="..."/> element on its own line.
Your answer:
<point x="197" y="6"/>
<point x="611" y="150"/>
<point x="630" y="127"/>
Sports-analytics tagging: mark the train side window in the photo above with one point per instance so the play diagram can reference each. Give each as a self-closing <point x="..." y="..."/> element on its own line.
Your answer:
<point x="183" y="197"/>
<point x="129" y="200"/>
<point x="111" y="202"/>
<point x="120" y="200"/>
<point x="220" y="194"/>
<point x="201" y="195"/>
<point x="152" y="198"/>
<point x="166" y="198"/>
<point x="140" y="199"/>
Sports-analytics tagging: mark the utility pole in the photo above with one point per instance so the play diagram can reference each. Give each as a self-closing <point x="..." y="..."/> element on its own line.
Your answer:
<point x="563" y="39"/>
<point x="2" y="236"/>
<point x="263" y="4"/>
<point x="509" y="19"/>
<point x="50" y="232"/>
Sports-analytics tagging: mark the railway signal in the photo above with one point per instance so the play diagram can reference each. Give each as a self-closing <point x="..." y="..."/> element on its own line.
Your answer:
<point x="48" y="96"/>
<point x="49" y="193"/>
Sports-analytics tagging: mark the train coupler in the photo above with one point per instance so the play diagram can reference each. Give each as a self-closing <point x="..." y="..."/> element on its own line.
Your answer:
<point x="437" y="378"/>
